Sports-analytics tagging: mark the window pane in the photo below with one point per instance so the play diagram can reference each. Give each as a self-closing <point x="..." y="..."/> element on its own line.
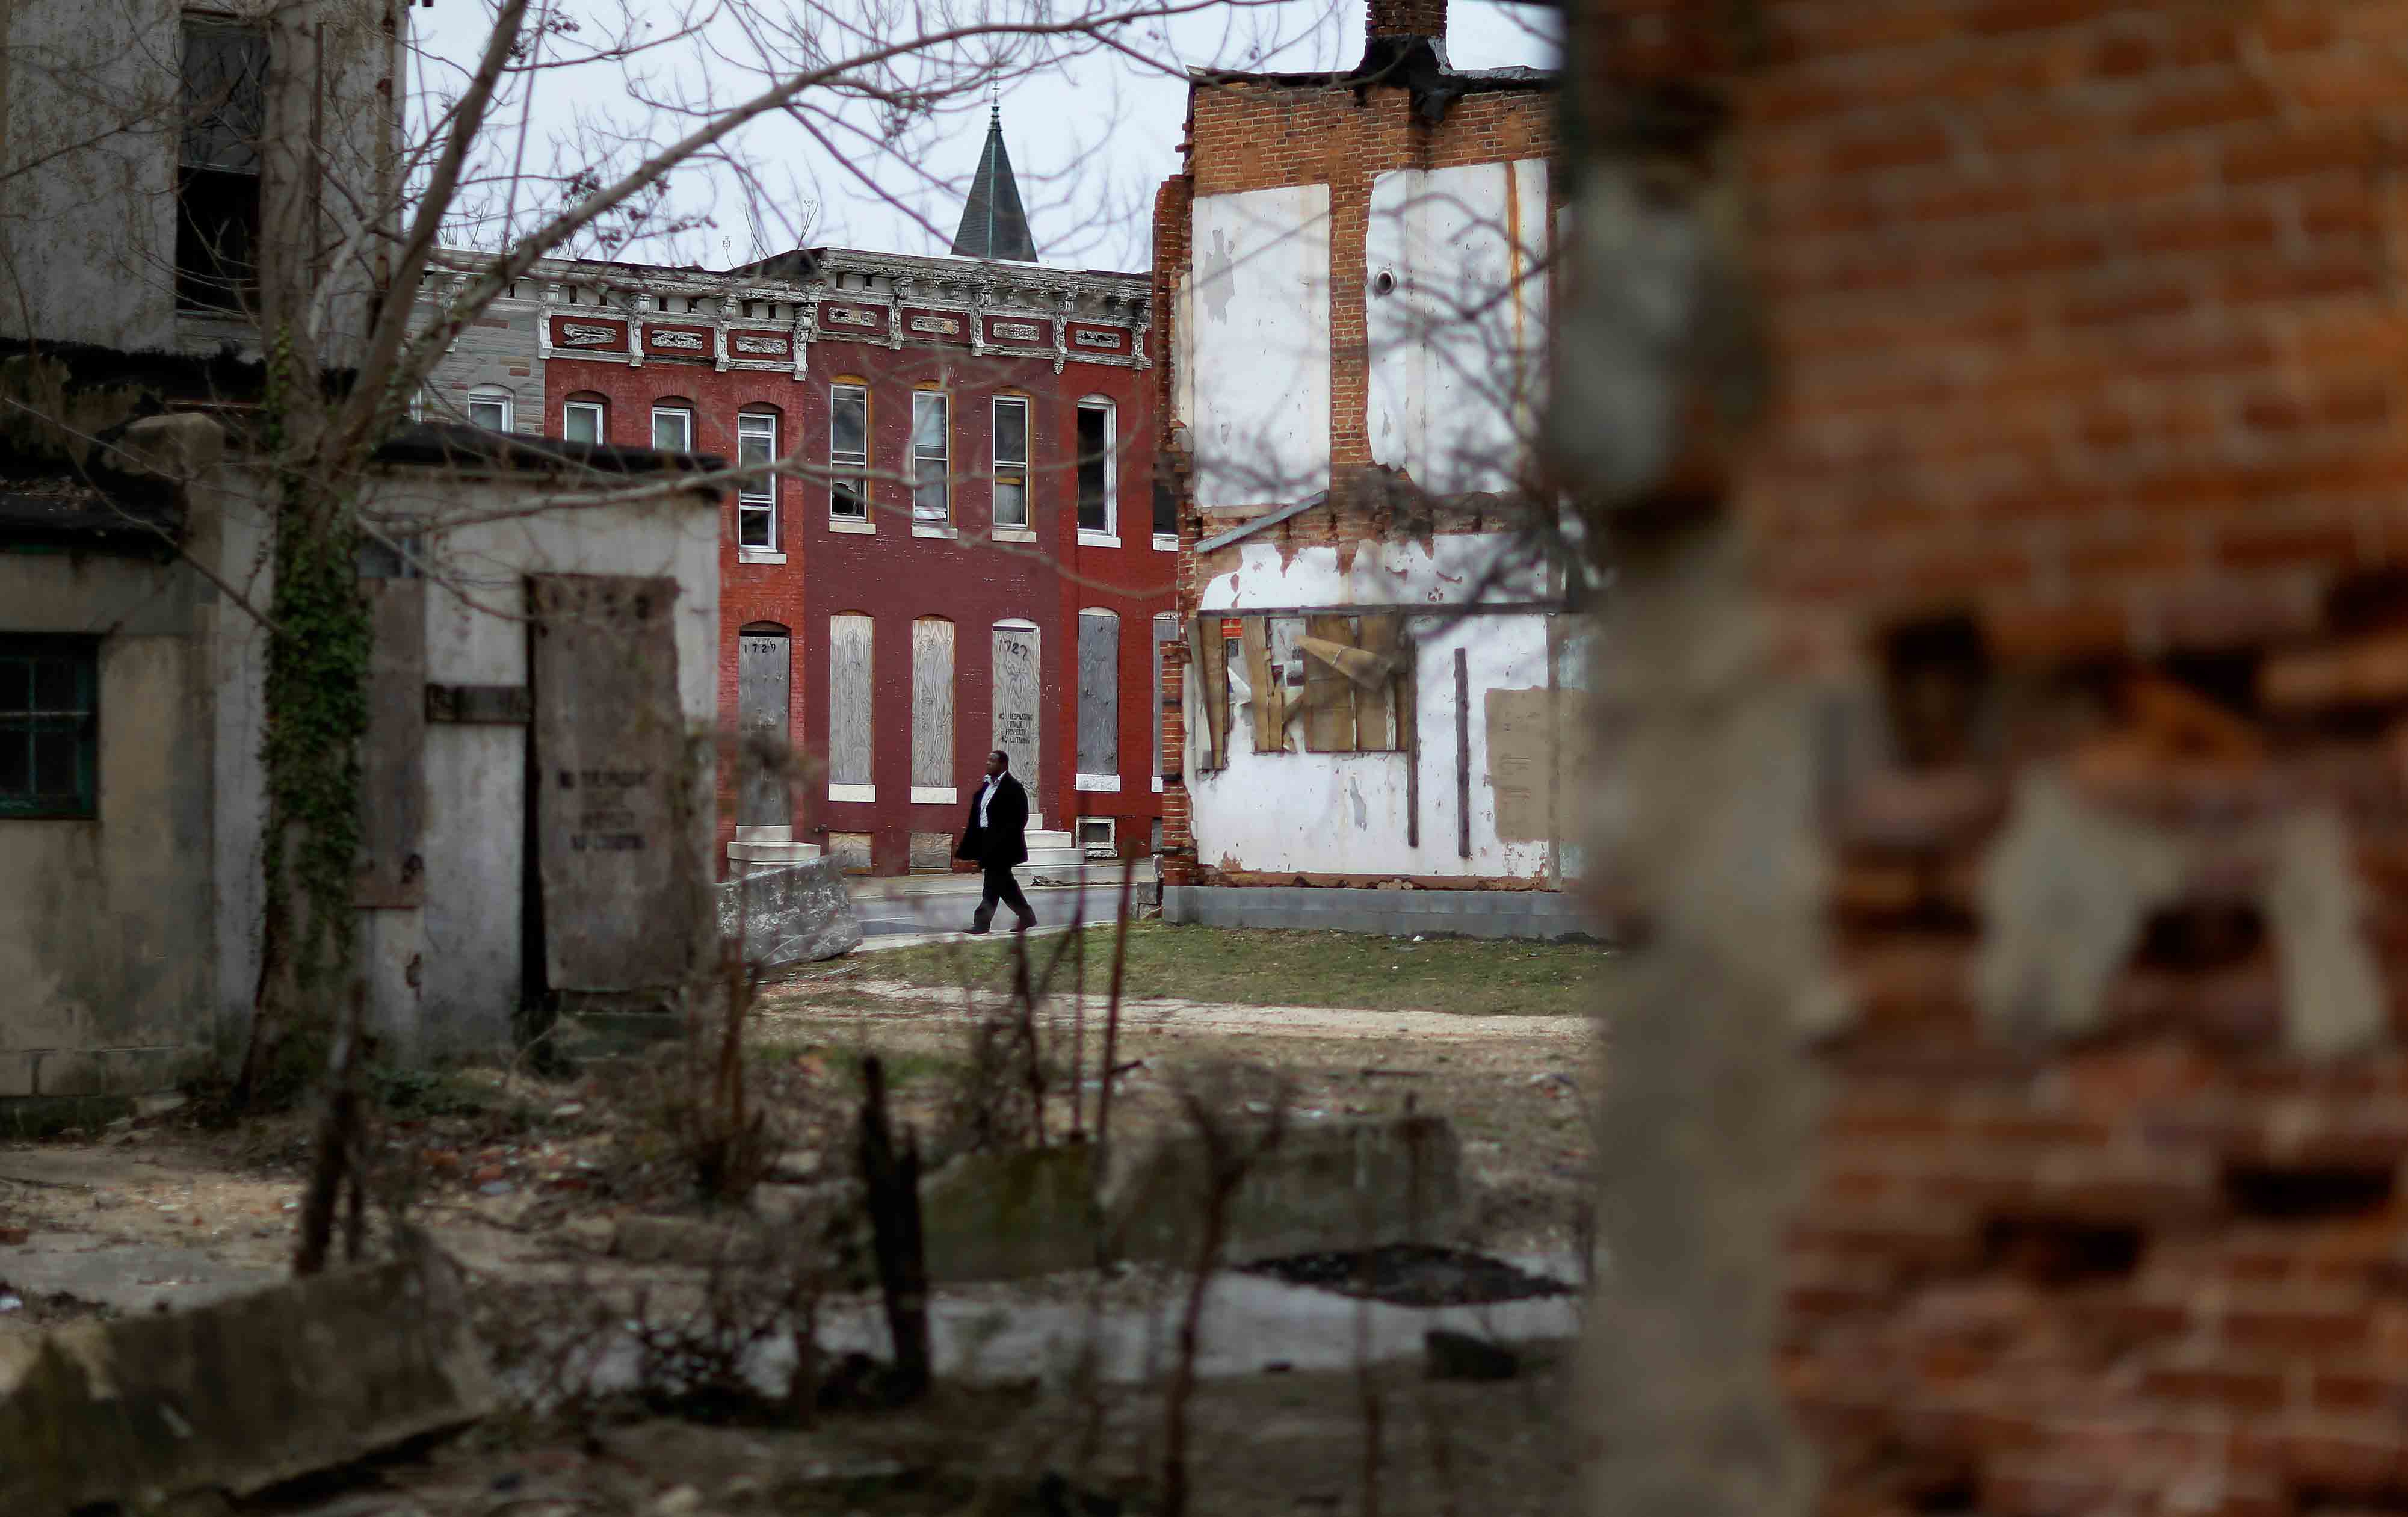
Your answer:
<point x="1012" y="432"/>
<point x="757" y="440"/>
<point x="582" y="422"/>
<point x="753" y="527"/>
<point x="54" y="762"/>
<point x="54" y="685"/>
<point x="1166" y="511"/>
<point x="493" y="415"/>
<point x="1094" y="443"/>
<point x="16" y="762"/>
<point x="16" y="684"/>
<point x="928" y="491"/>
<point x="1011" y="504"/>
<point x="672" y="431"/>
<point x="849" y="496"/>
<point x="929" y="424"/>
<point x="849" y="413"/>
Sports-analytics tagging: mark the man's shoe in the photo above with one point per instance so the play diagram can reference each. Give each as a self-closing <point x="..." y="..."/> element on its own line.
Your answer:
<point x="974" y="929"/>
<point x="1025" y="922"/>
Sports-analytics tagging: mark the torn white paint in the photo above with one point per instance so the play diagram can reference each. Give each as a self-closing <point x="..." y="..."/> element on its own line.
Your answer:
<point x="1346" y="813"/>
<point x="1260" y="345"/>
<point x="1455" y="310"/>
<point x="1446" y="570"/>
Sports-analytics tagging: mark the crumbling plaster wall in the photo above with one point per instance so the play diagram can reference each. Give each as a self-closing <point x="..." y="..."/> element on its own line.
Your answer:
<point x="1257" y="344"/>
<point x="1346" y="813"/>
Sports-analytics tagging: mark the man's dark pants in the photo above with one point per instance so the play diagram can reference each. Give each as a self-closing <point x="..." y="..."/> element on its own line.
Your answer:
<point x="999" y="886"/>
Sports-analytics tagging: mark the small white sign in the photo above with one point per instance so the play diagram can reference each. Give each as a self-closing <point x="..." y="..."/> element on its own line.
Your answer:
<point x="1015" y="331"/>
<point x="943" y="326"/>
<point x="578" y="335"/>
<point x="676" y="339"/>
<point x="1097" y="339"/>
<point x="760" y="345"/>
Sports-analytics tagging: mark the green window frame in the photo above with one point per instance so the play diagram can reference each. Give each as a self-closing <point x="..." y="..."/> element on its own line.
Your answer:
<point x="50" y="726"/>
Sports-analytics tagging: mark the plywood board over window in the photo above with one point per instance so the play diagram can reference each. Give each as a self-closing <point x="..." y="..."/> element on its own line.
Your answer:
<point x="764" y="663"/>
<point x="850" y="749"/>
<point x="1099" y="698"/>
<point x="932" y="710"/>
<point x="1325" y="684"/>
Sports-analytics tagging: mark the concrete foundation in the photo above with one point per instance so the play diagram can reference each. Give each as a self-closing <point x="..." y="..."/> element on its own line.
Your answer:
<point x="792" y="914"/>
<point x="1543" y="915"/>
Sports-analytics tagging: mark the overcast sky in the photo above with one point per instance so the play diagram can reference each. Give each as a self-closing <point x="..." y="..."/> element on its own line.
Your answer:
<point x="1089" y="142"/>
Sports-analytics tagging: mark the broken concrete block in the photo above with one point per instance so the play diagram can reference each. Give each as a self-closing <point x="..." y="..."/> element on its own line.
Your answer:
<point x="239" y="1395"/>
<point x="793" y="914"/>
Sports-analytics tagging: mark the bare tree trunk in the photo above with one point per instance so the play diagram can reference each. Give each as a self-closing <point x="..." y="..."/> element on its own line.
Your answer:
<point x="892" y="1178"/>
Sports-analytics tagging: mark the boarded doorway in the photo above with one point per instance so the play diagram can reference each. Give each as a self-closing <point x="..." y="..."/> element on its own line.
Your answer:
<point x="764" y="667"/>
<point x="1017" y="666"/>
<point x="620" y="885"/>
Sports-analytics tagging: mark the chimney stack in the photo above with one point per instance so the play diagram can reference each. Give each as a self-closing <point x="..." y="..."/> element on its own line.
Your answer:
<point x="1406" y="18"/>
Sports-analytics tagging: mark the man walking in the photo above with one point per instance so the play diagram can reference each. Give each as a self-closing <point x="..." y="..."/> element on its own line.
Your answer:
<point x="995" y="840"/>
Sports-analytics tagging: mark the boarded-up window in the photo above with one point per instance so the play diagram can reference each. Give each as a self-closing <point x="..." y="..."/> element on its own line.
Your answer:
<point x="1165" y="633"/>
<point x="1017" y="672"/>
<point x="1100" y="694"/>
<point x="849" y="745"/>
<point x="932" y="710"/>
<point x="1211" y="658"/>
<point x="762" y="665"/>
<point x="1323" y="685"/>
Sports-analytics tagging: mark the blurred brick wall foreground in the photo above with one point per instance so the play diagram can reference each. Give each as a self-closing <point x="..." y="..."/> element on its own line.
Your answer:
<point x="2091" y="467"/>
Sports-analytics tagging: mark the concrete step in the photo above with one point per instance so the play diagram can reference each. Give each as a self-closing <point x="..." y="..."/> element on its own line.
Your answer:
<point x="771" y="855"/>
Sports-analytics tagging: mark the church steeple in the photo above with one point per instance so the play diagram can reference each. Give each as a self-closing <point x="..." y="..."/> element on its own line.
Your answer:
<point x="993" y="224"/>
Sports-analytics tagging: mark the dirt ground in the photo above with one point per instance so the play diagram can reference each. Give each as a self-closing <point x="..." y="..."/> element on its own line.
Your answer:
<point x="523" y="1178"/>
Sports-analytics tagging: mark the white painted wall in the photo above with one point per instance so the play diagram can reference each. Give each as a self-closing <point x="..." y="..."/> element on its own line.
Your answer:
<point x="1456" y="338"/>
<point x="1345" y="813"/>
<point x="1257" y="346"/>
<point x="1444" y="571"/>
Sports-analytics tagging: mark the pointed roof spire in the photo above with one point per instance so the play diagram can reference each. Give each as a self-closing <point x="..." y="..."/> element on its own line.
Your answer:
<point x="994" y="226"/>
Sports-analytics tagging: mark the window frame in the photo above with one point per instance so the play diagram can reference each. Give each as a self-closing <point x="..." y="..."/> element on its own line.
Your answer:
<point x="23" y="724"/>
<point x="847" y="468"/>
<point x="1011" y="472"/>
<point x="216" y="268"/>
<point x="923" y="525"/>
<point x="1107" y="781"/>
<point x="601" y="413"/>
<point x="685" y="413"/>
<point x="757" y="499"/>
<point x="494" y="394"/>
<point x="1107" y="536"/>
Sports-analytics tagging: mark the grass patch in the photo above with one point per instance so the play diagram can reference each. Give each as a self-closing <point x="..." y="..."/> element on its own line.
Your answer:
<point x="1252" y="967"/>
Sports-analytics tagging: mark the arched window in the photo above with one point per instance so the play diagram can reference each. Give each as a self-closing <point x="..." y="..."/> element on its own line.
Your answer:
<point x="932" y="711"/>
<point x="932" y="432"/>
<point x="756" y="494"/>
<point x="852" y="776"/>
<point x="1099" y="507"/>
<point x="585" y="416"/>
<point x="489" y="406"/>
<point x="673" y="424"/>
<point x="848" y="453"/>
<point x="1099" y="700"/>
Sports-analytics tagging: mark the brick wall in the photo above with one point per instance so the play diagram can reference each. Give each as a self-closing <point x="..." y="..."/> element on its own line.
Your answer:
<point x="2089" y="344"/>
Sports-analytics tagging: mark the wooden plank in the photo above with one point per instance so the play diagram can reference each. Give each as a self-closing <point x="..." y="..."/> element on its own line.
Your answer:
<point x="1328" y="694"/>
<point x="393" y="771"/>
<point x="1462" y="756"/>
<point x="1375" y="702"/>
<point x="852" y="750"/>
<point x="1099" y="693"/>
<point x="1264" y="684"/>
<point x="612" y="783"/>
<point x="1521" y="758"/>
<point x="932" y="702"/>
<point x="764" y="664"/>
<point x="1408" y="695"/>
<point x="1019" y="671"/>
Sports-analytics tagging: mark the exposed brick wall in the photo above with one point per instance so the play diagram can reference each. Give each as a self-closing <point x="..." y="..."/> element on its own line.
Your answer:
<point x="1256" y="134"/>
<point x="1405" y="18"/>
<point x="2090" y="349"/>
